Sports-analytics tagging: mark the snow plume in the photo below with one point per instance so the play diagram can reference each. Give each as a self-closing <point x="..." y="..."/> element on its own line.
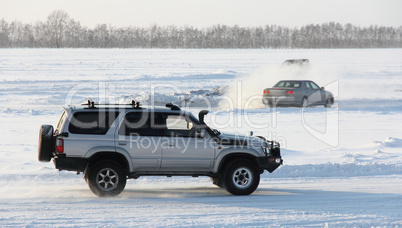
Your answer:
<point x="246" y="91"/>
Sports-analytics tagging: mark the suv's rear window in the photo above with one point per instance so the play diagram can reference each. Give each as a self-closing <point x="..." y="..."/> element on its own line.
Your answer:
<point x="97" y="123"/>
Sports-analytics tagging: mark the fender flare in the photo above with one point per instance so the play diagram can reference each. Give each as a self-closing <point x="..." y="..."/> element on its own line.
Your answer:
<point x="99" y="149"/>
<point x="233" y="152"/>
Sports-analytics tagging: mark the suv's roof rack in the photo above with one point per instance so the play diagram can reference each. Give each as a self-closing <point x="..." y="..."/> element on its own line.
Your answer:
<point x="172" y="106"/>
<point x="135" y="104"/>
<point x="91" y="104"/>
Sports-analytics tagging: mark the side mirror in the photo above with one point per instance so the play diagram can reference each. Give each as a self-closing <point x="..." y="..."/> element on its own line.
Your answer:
<point x="322" y="88"/>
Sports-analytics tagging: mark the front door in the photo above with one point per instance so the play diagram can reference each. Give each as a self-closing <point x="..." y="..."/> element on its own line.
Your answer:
<point x="183" y="150"/>
<point x="319" y="94"/>
<point x="314" y="93"/>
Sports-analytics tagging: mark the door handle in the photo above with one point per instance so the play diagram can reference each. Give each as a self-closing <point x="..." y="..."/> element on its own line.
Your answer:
<point x="122" y="143"/>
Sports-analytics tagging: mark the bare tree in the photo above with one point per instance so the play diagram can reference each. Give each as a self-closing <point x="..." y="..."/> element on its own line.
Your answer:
<point x="57" y="23"/>
<point x="61" y="31"/>
<point x="4" y="34"/>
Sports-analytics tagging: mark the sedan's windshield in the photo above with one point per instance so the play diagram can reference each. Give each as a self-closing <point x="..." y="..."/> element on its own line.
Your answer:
<point x="287" y="84"/>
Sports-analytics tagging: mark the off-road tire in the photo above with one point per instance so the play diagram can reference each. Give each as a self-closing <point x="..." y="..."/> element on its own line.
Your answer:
<point x="106" y="178"/>
<point x="46" y="144"/>
<point x="240" y="177"/>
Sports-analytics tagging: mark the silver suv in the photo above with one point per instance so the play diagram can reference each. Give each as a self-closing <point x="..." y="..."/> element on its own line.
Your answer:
<point x="110" y="143"/>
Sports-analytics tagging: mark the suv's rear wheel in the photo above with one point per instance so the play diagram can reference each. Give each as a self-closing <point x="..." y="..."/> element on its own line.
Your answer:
<point x="106" y="178"/>
<point x="240" y="177"/>
<point x="45" y="145"/>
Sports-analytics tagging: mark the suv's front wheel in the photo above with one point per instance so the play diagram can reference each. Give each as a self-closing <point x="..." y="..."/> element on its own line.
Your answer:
<point x="240" y="177"/>
<point x="106" y="178"/>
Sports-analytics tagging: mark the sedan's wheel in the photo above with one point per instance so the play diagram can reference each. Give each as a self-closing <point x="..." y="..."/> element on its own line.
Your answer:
<point x="267" y="103"/>
<point x="304" y="102"/>
<point x="240" y="177"/>
<point x="328" y="104"/>
<point x="107" y="178"/>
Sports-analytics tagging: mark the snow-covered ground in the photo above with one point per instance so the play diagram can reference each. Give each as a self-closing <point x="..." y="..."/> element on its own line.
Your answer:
<point x="342" y="166"/>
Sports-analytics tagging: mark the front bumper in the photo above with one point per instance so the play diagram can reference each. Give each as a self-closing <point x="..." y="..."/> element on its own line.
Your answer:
<point x="270" y="163"/>
<point x="273" y="158"/>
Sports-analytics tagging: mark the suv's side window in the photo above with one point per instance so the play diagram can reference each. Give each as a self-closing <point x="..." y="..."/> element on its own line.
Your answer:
<point x="97" y="123"/>
<point x="179" y="126"/>
<point x="156" y="124"/>
<point x="136" y="123"/>
<point x="140" y="124"/>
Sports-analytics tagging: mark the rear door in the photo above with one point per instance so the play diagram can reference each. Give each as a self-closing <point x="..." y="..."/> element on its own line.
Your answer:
<point x="141" y="140"/>
<point x="89" y="129"/>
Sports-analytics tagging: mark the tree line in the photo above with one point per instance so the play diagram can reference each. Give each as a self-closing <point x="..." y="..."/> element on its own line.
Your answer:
<point x="61" y="31"/>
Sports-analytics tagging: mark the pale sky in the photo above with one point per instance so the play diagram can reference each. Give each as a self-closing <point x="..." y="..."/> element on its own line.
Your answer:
<point x="202" y="13"/>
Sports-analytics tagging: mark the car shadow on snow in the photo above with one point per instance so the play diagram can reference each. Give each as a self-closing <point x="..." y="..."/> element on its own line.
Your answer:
<point x="382" y="207"/>
<point x="194" y="193"/>
<point x="314" y="201"/>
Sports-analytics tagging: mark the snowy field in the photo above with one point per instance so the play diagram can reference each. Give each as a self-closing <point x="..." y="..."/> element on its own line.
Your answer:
<point x="342" y="165"/>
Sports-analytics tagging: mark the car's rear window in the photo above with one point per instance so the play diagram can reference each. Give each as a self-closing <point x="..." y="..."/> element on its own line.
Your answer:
<point x="97" y="123"/>
<point x="288" y="84"/>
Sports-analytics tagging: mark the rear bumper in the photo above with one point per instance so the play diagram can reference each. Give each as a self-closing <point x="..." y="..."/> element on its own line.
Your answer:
<point x="70" y="164"/>
<point x="278" y="101"/>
